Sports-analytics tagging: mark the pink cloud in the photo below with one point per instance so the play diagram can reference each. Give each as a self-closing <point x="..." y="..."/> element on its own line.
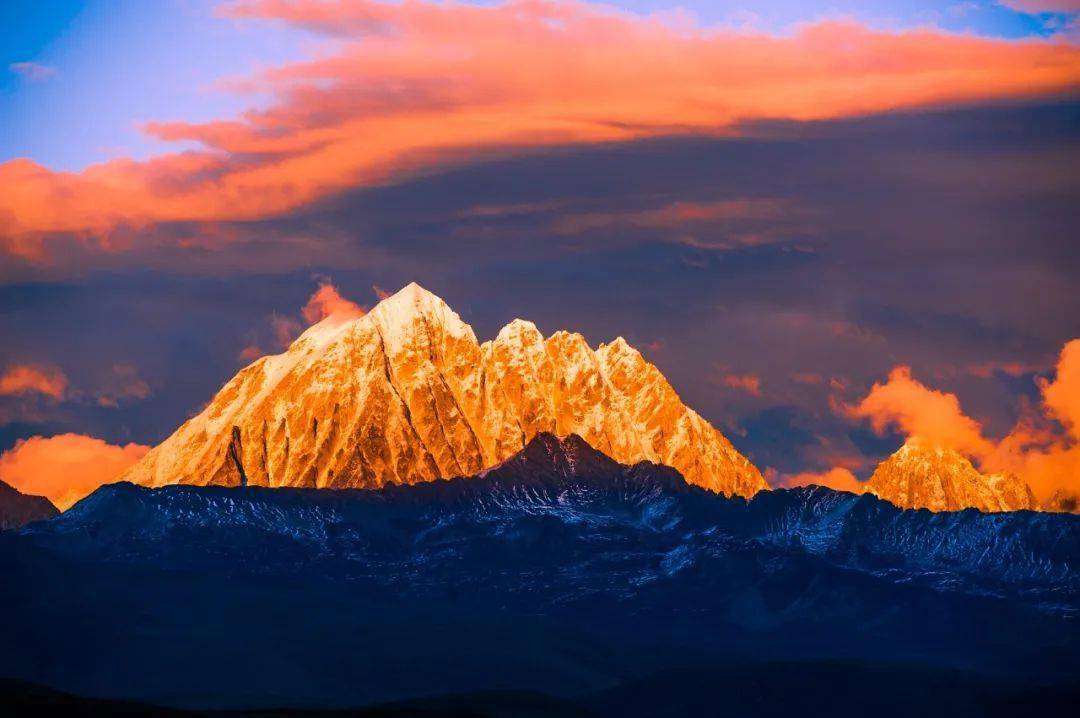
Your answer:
<point x="122" y="383"/>
<point x="32" y="71"/>
<point x="22" y="379"/>
<point x="327" y="303"/>
<point x="286" y="329"/>
<point x="749" y="383"/>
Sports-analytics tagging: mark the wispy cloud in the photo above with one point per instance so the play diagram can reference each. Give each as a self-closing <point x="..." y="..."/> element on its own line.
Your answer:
<point x="21" y="379"/>
<point x="32" y="71"/>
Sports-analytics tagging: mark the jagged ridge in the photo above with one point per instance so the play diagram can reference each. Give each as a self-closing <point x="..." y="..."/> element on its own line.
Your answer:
<point x="567" y="480"/>
<point x="406" y="394"/>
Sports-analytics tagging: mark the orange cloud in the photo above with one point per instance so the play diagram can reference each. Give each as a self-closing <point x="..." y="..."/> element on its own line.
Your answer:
<point x="916" y="410"/>
<point x="1062" y="395"/>
<point x="65" y="467"/>
<point x="837" y="478"/>
<point x="1044" y="457"/>
<point x="750" y="383"/>
<point x="1036" y="449"/>
<point x="250" y="353"/>
<point x="286" y="329"/>
<point x="33" y="378"/>
<point x="327" y="303"/>
<point x="401" y="87"/>
<point x="380" y="292"/>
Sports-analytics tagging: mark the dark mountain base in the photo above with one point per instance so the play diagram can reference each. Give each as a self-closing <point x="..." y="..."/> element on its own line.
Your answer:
<point x="749" y="690"/>
<point x="622" y="591"/>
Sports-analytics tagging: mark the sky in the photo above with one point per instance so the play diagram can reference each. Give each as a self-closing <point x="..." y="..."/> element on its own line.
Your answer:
<point x="823" y="221"/>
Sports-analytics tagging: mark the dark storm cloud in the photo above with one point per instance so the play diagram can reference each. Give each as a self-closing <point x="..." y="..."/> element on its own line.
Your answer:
<point x="941" y="240"/>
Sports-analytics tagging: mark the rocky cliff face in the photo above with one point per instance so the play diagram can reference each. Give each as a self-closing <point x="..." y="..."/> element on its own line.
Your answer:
<point x="406" y="394"/>
<point x="921" y="475"/>
<point x="18" y="509"/>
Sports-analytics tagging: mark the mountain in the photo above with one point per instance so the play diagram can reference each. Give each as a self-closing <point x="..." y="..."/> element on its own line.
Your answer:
<point x="923" y="475"/>
<point x="1062" y="500"/>
<point x="559" y="570"/>
<point x="406" y="394"/>
<point x="18" y="509"/>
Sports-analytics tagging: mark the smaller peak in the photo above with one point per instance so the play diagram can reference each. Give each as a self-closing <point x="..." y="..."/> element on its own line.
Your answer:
<point x="516" y="328"/>
<point x="573" y="338"/>
<point x="619" y="348"/>
<point x="619" y="345"/>
<point x="568" y="455"/>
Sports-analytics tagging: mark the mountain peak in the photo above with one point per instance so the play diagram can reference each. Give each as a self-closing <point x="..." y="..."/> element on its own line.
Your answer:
<point x="926" y="475"/>
<point x="410" y="300"/>
<point x="406" y="394"/>
<point x="398" y="315"/>
<point x="517" y="329"/>
<point x="566" y="455"/>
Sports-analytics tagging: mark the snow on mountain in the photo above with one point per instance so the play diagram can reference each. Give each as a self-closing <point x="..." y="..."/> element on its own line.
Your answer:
<point x="923" y="475"/>
<point x="407" y="394"/>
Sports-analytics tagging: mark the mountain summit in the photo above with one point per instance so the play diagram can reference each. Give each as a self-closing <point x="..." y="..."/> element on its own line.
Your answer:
<point x="406" y="394"/>
<point x="922" y="475"/>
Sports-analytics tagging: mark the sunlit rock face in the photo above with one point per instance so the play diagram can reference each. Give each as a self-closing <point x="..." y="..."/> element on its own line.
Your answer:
<point x="406" y="394"/>
<point x="922" y="475"/>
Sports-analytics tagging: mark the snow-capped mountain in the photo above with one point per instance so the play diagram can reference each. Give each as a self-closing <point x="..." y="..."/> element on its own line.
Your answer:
<point x="923" y="475"/>
<point x="406" y="394"/>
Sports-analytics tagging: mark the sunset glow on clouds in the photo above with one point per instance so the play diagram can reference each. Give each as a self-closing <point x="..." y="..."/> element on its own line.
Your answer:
<point x="66" y="467"/>
<point x="327" y="303"/>
<point x="917" y="410"/>
<point x="324" y="303"/>
<point x="29" y="378"/>
<point x="837" y="478"/>
<point x="402" y="87"/>
<point x="1045" y="456"/>
<point x="748" y="383"/>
